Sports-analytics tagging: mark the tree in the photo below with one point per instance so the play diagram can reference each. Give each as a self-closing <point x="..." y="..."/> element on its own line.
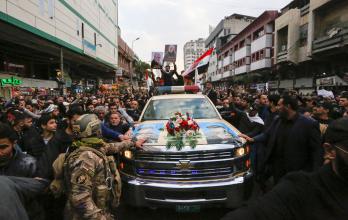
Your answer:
<point x="140" y="67"/>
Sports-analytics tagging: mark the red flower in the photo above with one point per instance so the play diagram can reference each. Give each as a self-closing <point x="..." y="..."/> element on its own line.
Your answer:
<point x="184" y="124"/>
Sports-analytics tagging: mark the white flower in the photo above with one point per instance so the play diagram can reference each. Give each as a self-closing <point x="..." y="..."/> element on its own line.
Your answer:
<point x="179" y="121"/>
<point x="190" y="122"/>
<point x="176" y="125"/>
<point x="189" y="133"/>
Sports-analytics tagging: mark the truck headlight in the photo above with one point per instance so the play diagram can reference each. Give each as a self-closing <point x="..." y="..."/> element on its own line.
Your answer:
<point x="128" y="154"/>
<point x="239" y="152"/>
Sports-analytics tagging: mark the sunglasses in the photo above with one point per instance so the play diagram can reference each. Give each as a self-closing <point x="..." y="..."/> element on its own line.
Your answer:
<point x="344" y="151"/>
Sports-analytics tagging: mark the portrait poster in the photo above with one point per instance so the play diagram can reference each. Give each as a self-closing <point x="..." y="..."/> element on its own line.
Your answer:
<point x="170" y="53"/>
<point x="156" y="60"/>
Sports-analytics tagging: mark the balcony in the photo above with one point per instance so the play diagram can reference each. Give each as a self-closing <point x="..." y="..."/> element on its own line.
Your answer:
<point x="336" y="38"/>
<point x="282" y="56"/>
<point x="227" y="61"/>
<point x="241" y="53"/>
<point x="261" y="64"/>
<point x="216" y="77"/>
<point x="261" y="43"/>
<point x="242" y="69"/>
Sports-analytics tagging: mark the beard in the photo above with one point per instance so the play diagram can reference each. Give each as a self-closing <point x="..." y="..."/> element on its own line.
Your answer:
<point x="283" y="115"/>
<point x="342" y="167"/>
<point x="4" y="160"/>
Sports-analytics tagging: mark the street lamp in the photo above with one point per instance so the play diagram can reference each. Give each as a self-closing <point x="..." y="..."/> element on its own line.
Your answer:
<point x="138" y="38"/>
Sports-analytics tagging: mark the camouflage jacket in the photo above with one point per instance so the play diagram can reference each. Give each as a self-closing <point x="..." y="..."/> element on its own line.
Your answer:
<point x="92" y="182"/>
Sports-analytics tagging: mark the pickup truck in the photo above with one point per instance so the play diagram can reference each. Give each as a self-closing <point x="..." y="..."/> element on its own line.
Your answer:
<point x="214" y="173"/>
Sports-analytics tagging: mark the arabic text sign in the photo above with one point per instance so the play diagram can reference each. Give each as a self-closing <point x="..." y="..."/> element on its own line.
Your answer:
<point x="11" y="81"/>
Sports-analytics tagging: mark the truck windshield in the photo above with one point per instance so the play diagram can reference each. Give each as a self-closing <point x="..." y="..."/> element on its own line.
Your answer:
<point x="198" y="108"/>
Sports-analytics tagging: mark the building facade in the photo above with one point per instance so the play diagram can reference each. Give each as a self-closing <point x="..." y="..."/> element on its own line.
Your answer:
<point x="227" y="29"/>
<point x="192" y="51"/>
<point x="311" y="44"/>
<point x="74" y="40"/>
<point x="250" y="54"/>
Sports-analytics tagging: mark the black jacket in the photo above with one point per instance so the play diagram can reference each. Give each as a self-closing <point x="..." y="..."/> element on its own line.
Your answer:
<point x="32" y="143"/>
<point x="57" y="145"/>
<point x="21" y="165"/>
<point x="317" y="196"/>
<point x="134" y="113"/>
<point x="302" y="149"/>
<point x="212" y="95"/>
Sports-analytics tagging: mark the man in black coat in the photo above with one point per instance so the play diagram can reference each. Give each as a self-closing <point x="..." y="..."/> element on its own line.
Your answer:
<point x="319" y="195"/>
<point x="292" y="142"/>
<point x="12" y="161"/>
<point x="210" y="92"/>
<point x="15" y="192"/>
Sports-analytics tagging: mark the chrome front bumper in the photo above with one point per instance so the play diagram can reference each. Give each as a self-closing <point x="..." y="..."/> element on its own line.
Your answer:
<point x="228" y="193"/>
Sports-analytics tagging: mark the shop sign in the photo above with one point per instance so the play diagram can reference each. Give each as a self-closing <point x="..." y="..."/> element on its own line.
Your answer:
<point x="261" y="86"/>
<point x="119" y="72"/>
<point x="273" y="84"/>
<point x="89" y="48"/>
<point x="11" y="82"/>
<point x="329" y="81"/>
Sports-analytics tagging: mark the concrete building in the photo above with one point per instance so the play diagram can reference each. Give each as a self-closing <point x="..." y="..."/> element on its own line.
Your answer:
<point x="293" y="61"/>
<point x="74" y="40"/>
<point x="125" y="58"/>
<point x="249" y="53"/>
<point x="227" y="29"/>
<point x="311" y="44"/>
<point x="192" y="51"/>
<point x="328" y="30"/>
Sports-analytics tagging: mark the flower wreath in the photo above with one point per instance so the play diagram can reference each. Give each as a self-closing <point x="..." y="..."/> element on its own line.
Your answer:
<point x="182" y="130"/>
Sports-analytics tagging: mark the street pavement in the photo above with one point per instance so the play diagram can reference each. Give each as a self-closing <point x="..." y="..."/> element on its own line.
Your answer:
<point x="131" y="213"/>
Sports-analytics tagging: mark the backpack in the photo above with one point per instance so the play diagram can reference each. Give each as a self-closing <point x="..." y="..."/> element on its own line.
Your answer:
<point x="58" y="187"/>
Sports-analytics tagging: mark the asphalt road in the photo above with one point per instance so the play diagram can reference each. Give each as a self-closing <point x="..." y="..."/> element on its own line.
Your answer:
<point x="130" y="213"/>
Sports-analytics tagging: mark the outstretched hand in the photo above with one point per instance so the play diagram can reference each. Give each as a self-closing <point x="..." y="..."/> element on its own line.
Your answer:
<point x="139" y="143"/>
<point x="246" y="137"/>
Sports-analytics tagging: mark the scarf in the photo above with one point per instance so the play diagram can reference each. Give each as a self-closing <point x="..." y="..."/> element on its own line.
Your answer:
<point x="256" y="119"/>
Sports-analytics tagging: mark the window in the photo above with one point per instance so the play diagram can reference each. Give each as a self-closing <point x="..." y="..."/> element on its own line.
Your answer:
<point x="242" y="44"/>
<point x="82" y="31"/>
<point x="259" y="33"/>
<point x="262" y="54"/>
<point x="303" y="35"/>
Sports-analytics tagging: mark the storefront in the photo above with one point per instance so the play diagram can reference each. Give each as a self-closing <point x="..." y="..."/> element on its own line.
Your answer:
<point x="332" y="83"/>
<point x="26" y="86"/>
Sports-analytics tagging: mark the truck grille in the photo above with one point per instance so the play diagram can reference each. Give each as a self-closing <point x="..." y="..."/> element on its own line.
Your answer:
<point x="192" y="156"/>
<point x="189" y="165"/>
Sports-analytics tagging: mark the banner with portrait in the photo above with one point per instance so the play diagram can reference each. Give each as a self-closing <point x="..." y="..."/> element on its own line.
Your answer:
<point x="156" y="60"/>
<point x="170" y="52"/>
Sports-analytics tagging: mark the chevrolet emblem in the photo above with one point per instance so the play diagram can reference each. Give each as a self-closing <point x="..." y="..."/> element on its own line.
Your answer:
<point x="184" y="165"/>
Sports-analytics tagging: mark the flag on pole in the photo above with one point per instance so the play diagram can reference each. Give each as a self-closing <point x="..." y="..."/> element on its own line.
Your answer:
<point x="200" y="63"/>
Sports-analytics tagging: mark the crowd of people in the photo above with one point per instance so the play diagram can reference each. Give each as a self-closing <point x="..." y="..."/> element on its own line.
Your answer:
<point x="299" y="152"/>
<point x="36" y="131"/>
<point x="41" y="139"/>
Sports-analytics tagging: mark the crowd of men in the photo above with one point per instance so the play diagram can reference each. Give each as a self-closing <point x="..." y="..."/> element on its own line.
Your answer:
<point x="63" y="147"/>
<point x="299" y="152"/>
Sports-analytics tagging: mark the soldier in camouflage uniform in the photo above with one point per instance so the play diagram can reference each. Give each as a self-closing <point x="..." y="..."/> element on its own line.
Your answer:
<point x="92" y="182"/>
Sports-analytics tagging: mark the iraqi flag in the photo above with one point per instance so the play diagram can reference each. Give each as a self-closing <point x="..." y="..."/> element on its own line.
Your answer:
<point x="201" y="63"/>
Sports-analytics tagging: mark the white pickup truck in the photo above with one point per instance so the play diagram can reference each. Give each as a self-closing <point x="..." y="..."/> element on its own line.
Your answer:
<point x="215" y="173"/>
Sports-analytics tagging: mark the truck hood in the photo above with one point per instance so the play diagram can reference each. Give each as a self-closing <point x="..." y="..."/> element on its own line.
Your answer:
<point x="213" y="132"/>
